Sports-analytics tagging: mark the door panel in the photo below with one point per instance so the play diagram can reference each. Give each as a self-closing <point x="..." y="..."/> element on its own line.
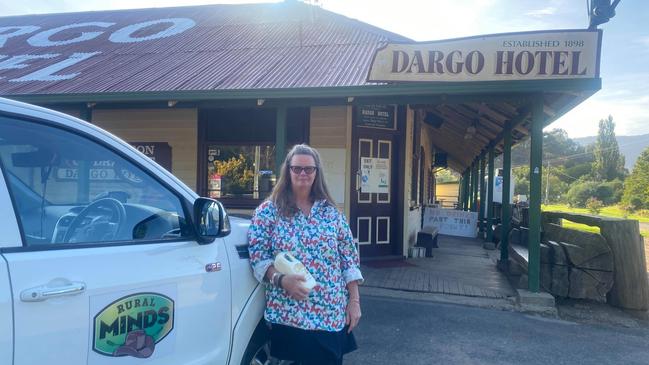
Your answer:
<point x="365" y="149"/>
<point x="384" y="151"/>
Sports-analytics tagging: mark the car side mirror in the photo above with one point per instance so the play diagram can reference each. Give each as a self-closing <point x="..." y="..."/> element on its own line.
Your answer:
<point x="210" y="220"/>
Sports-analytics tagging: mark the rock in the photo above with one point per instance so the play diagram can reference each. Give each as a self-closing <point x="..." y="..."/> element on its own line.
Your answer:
<point x="630" y="289"/>
<point x="554" y="269"/>
<point x="576" y="264"/>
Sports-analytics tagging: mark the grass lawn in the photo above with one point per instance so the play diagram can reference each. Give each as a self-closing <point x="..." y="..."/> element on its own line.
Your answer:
<point x="610" y="211"/>
<point x="579" y="227"/>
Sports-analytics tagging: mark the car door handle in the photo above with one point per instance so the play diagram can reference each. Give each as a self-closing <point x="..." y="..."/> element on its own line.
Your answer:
<point x="41" y="293"/>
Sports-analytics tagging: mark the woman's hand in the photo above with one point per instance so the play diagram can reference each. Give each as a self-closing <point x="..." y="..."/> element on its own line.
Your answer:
<point x="352" y="314"/>
<point x="294" y="286"/>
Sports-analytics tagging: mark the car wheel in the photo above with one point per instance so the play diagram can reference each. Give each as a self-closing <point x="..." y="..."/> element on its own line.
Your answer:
<point x="258" y="350"/>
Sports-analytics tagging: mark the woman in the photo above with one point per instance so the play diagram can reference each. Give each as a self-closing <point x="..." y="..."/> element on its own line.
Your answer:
<point x="300" y="217"/>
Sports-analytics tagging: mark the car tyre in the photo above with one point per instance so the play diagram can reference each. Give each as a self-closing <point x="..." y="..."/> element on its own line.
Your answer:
<point x="258" y="350"/>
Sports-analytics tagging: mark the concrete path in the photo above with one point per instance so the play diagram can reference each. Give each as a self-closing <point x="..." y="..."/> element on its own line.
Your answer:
<point x="460" y="266"/>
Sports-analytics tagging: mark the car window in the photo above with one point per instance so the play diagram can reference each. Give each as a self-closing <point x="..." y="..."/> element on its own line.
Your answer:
<point x="69" y="189"/>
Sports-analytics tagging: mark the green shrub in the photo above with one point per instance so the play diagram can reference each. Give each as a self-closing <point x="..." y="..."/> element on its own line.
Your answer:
<point x="610" y="192"/>
<point x="594" y="205"/>
<point x="580" y="192"/>
<point x="636" y="186"/>
<point x="607" y="192"/>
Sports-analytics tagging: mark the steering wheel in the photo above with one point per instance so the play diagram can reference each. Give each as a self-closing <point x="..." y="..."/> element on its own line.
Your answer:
<point x="107" y="222"/>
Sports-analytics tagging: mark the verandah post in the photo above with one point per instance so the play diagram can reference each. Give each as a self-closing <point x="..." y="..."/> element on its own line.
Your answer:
<point x="465" y="190"/>
<point x="490" y="195"/>
<point x="474" y="208"/>
<point x="483" y="199"/>
<point x="536" y="164"/>
<point x="506" y="206"/>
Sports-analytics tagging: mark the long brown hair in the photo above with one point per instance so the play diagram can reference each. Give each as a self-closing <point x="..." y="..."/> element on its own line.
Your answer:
<point x="282" y="195"/>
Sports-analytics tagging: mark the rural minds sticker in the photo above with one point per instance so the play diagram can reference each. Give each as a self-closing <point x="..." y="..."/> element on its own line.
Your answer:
<point x="133" y="325"/>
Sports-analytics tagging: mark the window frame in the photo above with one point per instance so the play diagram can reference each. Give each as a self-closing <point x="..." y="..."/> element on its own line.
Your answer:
<point x="299" y="115"/>
<point x="415" y="177"/>
<point x="185" y="205"/>
<point x="232" y="199"/>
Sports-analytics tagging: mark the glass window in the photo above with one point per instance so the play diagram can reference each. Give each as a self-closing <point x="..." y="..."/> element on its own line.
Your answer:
<point x="240" y="171"/>
<point x="69" y="189"/>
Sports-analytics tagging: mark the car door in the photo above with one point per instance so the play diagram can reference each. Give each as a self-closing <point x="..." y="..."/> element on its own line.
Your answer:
<point x="6" y="338"/>
<point x="10" y="235"/>
<point x="107" y="266"/>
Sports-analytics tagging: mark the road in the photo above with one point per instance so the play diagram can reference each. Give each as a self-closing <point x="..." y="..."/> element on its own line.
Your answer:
<point x="396" y="331"/>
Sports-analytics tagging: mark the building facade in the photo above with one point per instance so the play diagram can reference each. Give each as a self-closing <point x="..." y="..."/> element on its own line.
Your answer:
<point x="217" y="94"/>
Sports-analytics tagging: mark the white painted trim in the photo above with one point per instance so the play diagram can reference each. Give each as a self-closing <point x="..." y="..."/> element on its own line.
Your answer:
<point x="358" y="192"/>
<point x="407" y="157"/>
<point x="389" y="143"/>
<point x="377" y="229"/>
<point x="369" y="230"/>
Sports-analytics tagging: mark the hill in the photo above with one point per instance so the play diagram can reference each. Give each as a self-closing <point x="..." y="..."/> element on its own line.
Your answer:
<point x="630" y="146"/>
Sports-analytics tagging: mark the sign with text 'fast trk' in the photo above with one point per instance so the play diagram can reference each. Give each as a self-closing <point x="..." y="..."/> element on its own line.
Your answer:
<point x="451" y="222"/>
<point x="569" y="54"/>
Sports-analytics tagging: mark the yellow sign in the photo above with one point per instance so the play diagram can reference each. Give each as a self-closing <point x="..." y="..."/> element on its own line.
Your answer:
<point x="569" y="54"/>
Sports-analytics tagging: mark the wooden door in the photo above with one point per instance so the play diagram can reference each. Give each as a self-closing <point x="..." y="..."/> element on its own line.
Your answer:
<point x="374" y="216"/>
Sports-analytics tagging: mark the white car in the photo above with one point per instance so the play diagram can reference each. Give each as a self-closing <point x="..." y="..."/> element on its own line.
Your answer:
<point x="107" y="258"/>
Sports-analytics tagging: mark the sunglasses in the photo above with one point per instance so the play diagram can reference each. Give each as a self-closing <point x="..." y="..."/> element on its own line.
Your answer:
<point x="307" y="169"/>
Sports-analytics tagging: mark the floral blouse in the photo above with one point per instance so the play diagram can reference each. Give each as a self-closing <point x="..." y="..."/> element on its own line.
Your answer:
<point x="323" y="243"/>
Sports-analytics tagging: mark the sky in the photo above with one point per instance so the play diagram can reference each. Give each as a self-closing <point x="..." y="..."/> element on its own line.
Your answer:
<point x="625" y="48"/>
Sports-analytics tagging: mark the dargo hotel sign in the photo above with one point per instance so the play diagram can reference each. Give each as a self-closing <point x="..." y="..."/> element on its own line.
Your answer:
<point x="572" y="54"/>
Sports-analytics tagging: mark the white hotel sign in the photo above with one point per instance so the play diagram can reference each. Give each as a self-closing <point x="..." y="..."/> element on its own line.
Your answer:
<point x="570" y="54"/>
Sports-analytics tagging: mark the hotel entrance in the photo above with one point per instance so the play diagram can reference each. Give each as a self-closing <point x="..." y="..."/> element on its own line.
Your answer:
<point x="374" y="215"/>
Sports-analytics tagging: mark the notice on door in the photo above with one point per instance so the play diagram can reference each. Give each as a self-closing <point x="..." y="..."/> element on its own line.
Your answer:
<point x="375" y="175"/>
<point x="452" y="222"/>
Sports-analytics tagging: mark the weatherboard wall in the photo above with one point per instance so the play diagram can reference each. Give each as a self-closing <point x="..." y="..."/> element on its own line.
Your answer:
<point x="178" y="127"/>
<point x="329" y="134"/>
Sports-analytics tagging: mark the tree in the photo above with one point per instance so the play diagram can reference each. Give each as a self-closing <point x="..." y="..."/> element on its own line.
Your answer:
<point x="521" y="180"/>
<point x="564" y="162"/>
<point x="446" y="175"/>
<point x="636" y="186"/>
<point x="580" y="192"/>
<point x="561" y="150"/>
<point x="608" y="163"/>
<point x="236" y="174"/>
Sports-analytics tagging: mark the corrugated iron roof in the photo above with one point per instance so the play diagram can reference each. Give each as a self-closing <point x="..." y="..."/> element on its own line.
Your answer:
<point x="230" y="47"/>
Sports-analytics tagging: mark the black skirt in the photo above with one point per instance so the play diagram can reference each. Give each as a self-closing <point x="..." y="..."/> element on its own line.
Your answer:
<point x="310" y="347"/>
